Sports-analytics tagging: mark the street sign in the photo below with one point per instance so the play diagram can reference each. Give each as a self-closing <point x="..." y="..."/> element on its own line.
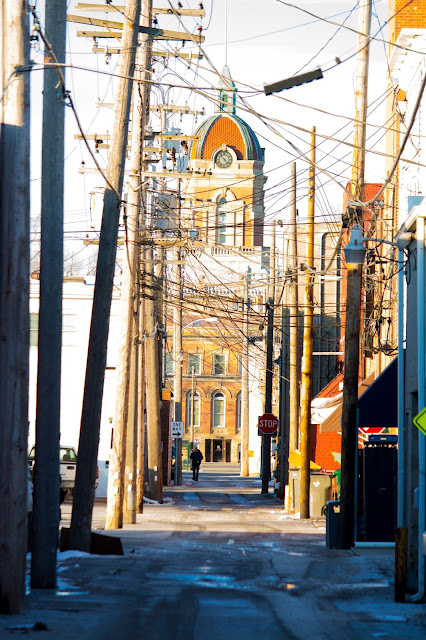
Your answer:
<point x="197" y="440"/>
<point x="267" y="424"/>
<point x="371" y="429"/>
<point x="176" y="429"/>
<point x="420" y="421"/>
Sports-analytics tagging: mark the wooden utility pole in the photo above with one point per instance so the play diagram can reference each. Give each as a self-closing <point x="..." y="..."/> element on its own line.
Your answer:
<point x="46" y="476"/>
<point x="177" y="351"/>
<point x="84" y="492"/>
<point x="266" y="440"/>
<point x="284" y="389"/>
<point x="153" y="398"/>
<point x="293" y="297"/>
<point x="140" y="470"/>
<point x="14" y="296"/>
<point x="121" y="503"/>
<point x="308" y="346"/>
<point x="245" y="416"/>
<point x="293" y="310"/>
<point x="353" y="295"/>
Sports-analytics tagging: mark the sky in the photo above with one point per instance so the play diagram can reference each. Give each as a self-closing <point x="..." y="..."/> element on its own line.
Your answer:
<point x="266" y="41"/>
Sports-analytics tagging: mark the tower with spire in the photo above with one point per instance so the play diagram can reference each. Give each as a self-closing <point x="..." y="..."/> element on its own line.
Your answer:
<point x="227" y="93"/>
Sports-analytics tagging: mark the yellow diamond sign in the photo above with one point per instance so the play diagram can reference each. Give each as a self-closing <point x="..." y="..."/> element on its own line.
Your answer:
<point x="420" y="421"/>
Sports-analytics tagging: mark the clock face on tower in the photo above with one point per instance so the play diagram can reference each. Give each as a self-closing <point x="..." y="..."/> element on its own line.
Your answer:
<point x="223" y="159"/>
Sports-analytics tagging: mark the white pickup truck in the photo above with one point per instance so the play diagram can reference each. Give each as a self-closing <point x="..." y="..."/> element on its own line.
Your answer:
<point x="67" y="467"/>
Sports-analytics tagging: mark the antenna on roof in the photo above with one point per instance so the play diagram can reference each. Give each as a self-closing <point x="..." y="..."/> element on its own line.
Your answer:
<point x="226" y="33"/>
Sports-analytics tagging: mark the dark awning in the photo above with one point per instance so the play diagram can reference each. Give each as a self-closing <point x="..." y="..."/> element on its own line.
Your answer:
<point x="378" y="406"/>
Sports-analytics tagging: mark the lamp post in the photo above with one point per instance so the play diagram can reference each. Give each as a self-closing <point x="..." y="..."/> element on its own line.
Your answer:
<point x="192" y="406"/>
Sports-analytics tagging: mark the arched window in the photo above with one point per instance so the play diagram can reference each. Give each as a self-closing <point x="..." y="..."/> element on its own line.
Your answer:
<point x="221" y="221"/>
<point x="193" y="410"/>
<point x="218" y="409"/>
<point x="238" y="412"/>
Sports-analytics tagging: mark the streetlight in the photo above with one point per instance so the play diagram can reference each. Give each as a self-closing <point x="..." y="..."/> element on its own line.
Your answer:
<point x="355" y="249"/>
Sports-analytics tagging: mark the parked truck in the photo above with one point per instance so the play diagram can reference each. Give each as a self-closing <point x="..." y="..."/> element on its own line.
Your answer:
<point x="67" y="468"/>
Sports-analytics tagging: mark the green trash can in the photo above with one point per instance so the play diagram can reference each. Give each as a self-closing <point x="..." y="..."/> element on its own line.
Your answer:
<point x="338" y="474"/>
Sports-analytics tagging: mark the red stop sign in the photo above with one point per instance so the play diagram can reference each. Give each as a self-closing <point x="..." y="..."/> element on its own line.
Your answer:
<point x="267" y="424"/>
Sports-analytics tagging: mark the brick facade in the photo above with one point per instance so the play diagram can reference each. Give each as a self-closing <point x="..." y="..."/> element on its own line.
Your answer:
<point x="207" y="343"/>
<point x="411" y="17"/>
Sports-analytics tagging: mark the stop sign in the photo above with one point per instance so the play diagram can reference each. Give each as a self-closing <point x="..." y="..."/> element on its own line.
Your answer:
<point x="267" y="424"/>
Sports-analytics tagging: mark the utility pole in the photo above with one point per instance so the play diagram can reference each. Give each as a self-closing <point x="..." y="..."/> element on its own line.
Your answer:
<point x="141" y="433"/>
<point x="245" y="415"/>
<point x="293" y="296"/>
<point x="46" y="476"/>
<point x="153" y="399"/>
<point x="308" y="346"/>
<point x="177" y="351"/>
<point x="353" y="295"/>
<point x="266" y="439"/>
<point x="84" y="492"/>
<point x="121" y="504"/>
<point x="284" y="380"/>
<point x="141" y="401"/>
<point x="14" y="296"/>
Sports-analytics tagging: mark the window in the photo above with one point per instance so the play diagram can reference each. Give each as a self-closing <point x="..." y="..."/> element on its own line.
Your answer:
<point x="221" y="221"/>
<point x="169" y="365"/>
<point x="219" y="364"/>
<point x="240" y="364"/>
<point x="194" y="363"/>
<point x="238" y="412"/>
<point x="218" y="410"/>
<point x="193" y="410"/>
<point x="33" y="329"/>
<point x="222" y="228"/>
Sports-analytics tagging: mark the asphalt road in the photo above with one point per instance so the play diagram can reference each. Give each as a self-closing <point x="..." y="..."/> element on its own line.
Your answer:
<point x="218" y="560"/>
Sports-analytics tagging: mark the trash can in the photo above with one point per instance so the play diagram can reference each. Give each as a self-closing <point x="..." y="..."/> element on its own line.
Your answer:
<point x="294" y="479"/>
<point x="337" y="476"/>
<point x="319" y="493"/>
<point x="332" y="524"/>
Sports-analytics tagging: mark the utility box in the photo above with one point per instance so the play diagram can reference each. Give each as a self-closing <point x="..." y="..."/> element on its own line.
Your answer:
<point x="332" y="524"/>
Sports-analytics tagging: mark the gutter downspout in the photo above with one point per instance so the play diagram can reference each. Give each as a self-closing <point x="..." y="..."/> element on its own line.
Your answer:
<point x="401" y="506"/>
<point x="420" y="234"/>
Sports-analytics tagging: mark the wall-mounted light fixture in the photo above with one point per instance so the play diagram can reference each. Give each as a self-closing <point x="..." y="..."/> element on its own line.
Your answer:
<point x="355" y="250"/>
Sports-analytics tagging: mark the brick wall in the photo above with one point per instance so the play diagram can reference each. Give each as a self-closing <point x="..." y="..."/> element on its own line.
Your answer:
<point x="412" y="17"/>
<point x="322" y="444"/>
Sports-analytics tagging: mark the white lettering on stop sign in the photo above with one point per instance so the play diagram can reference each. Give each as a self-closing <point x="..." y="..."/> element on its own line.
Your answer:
<point x="267" y="424"/>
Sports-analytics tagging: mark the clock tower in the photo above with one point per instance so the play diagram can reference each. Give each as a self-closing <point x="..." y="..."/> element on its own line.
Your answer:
<point x="225" y="194"/>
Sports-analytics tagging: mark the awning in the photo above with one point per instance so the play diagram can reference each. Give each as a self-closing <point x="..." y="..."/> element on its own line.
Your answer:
<point x="378" y="405"/>
<point x="332" y="423"/>
<point x="327" y="400"/>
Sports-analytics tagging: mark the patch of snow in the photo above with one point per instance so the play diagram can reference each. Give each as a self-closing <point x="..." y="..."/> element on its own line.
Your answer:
<point x="72" y="553"/>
